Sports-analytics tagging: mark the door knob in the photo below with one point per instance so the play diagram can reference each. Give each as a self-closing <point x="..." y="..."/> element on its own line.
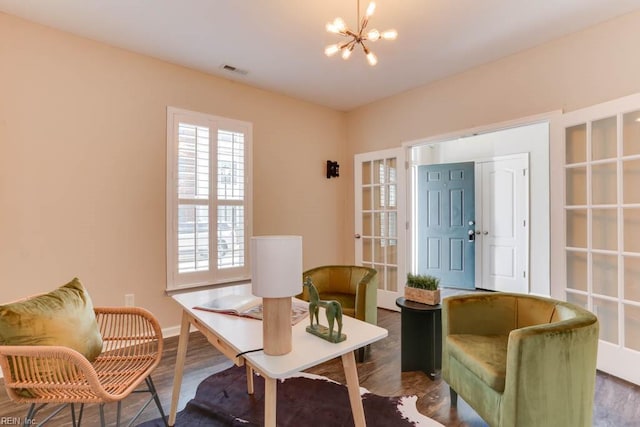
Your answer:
<point x="485" y="232"/>
<point x="357" y="236"/>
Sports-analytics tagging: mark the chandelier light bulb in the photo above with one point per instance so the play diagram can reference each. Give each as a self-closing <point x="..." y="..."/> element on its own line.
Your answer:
<point x="389" y="35"/>
<point x="372" y="59"/>
<point x="331" y="50"/>
<point x="339" y="24"/>
<point x="373" y="35"/>
<point x="346" y="53"/>
<point x="371" y="9"/>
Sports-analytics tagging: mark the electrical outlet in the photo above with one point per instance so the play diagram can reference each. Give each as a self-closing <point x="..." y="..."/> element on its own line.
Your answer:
<point x="129" y="300"/>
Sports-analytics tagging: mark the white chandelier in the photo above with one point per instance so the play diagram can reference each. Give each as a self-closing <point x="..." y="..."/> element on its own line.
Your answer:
<point x="338" y="26"/>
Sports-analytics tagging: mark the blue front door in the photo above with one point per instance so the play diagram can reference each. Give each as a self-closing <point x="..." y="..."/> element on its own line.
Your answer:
<point x="446" y="220"/>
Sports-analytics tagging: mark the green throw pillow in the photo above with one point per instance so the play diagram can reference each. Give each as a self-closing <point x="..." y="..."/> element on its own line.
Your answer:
<point x="62" y="317"/>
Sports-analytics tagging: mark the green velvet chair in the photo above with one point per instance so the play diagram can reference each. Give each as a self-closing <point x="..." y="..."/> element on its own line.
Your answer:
<point x="520" y="360"/>
<point x="355" y="287"/>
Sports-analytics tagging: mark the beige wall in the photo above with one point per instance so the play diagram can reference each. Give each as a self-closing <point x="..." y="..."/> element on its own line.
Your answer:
<point x="82" y="148"/>
<point x="82" y="165"/>
<point x="582" y="69"/>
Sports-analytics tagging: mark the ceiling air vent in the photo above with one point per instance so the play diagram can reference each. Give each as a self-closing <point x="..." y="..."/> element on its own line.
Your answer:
<point x="233" y="69"/>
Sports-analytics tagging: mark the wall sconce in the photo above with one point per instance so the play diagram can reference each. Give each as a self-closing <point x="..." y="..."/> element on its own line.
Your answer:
<point x="333" y="169"/>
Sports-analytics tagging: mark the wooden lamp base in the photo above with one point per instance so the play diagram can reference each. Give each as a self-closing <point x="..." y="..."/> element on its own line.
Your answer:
<point x="276" y="326"/>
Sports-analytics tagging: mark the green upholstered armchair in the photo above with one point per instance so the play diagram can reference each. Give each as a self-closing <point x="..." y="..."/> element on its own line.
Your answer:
<point x="355" y="287"/>
<point x="520" y="360"/>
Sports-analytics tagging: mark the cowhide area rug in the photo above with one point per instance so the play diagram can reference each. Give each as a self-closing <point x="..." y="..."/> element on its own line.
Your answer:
<point x="304" y="400"/>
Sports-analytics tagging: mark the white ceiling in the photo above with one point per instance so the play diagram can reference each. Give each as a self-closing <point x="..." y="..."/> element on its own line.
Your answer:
<point x="281" y="42"/>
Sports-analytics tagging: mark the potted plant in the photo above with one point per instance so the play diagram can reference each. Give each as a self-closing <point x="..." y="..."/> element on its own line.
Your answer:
<point x="422" y="288"/>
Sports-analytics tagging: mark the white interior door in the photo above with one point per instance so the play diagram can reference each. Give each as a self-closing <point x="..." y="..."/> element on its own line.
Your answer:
<point x="380" y="220"/>
<point x="503" y="226"/>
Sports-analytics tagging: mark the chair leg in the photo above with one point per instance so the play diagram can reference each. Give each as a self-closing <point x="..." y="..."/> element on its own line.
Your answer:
<point x="154" y="393"/>
<point x="30" y="414"/>
<point x="361" y="353"/>
<point x="102" y="422"/>
<point x="80" y="415"/>
<point x="454" y="397"/>
<point x="30" y="418"/>
<point x="73" y="415"/>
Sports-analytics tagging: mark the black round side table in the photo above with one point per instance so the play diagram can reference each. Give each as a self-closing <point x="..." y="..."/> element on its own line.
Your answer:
<point x="421" y="336"/>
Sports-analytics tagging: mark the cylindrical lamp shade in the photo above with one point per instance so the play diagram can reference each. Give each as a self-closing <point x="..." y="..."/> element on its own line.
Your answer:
<point x="276" y="266"/>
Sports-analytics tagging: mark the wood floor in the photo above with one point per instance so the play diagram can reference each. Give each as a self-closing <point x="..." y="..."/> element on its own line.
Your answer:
<point x="617" y="403"/>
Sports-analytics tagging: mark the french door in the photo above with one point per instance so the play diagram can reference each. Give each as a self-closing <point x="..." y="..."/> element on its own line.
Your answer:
<point x="380" y="220"/>
<point x="602" y="226"/>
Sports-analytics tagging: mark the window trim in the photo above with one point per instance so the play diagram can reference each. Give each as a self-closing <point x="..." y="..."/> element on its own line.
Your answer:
<point x="214" y="275"/>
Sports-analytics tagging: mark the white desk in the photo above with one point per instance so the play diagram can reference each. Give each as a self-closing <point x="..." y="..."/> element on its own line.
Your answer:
<point x="233" y="335"/>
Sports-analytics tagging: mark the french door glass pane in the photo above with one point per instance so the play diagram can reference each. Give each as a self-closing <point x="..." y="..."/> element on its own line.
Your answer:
<point x="366" y="173"/>
<point x="632" y="327"/>
<point x="605" y="274"/>
<point x="604" y="230"/>
<point x="391" y="170"/>
<point x="378" y="250"/>
<point x="631" y="178"/>
<point x="632" y="278"/>
<point x="576" y="144"/>
<point x="631" y="133"/>
<point x="367" y="226"/>
<point x="366" y="199"/>
<point x="392" y="252"/>
<point x="604" y="138"/>
<point x="382" y="278"/>
<point x="631" y="229"/>
<point x="367" y="250"/>
<point x="392" y="281"/>
<point x="577" y="270"/>
<point x="378" y="202"/>
<point x="393" y="224"/>
<point x="378" y="224"/>
<point x="607" y="312"/>
<point x="577" y="228"/>
<point x="604" y="184"/>
<point x="576" y="186"/>
<point x="577" y="299"/>
<point x="379" y="175"/>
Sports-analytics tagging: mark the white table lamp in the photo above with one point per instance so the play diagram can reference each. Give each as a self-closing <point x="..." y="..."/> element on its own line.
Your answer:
<point x="276" y="276"/>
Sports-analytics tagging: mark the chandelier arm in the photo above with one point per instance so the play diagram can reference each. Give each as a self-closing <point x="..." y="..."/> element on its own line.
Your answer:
<point x="363" y="24"/>
<point x="347" y="44"/>
<point x="351" y="33"/>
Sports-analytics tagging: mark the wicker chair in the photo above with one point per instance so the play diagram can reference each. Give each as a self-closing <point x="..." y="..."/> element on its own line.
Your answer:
<point x="132" y="348"/>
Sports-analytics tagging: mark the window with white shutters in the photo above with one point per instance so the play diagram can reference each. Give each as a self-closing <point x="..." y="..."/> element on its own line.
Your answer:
<point x="208" y="199"/>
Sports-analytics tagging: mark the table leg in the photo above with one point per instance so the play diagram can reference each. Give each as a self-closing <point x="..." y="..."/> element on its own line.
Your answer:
<point x="181" y="355"/>
<point x="270" y="394"/>
<point x="353" y="385"/>
<point x="249" y="378"/>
